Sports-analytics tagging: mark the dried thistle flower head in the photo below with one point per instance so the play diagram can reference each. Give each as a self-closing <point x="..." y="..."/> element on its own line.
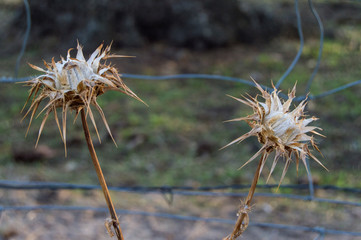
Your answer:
<point x="74" y="83"/>
<point x="279" y="129"/>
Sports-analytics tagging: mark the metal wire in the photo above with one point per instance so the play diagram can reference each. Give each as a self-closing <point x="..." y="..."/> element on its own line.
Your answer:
<point x="26" y="37"/>
<point x="310" y="180"/>
<point x="207" y="76"/>
<point x="207" y="191"/>
<point x="295" y="60"/>
<point x="196" y="76"/>
<point x="14" y="80"/>
<point x="320" y="25"/>
<point x="22" y="185"/>
<point x="335" y="90"/>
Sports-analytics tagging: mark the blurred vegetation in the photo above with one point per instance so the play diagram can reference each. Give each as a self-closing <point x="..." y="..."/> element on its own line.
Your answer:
<point x="175" y="140"/>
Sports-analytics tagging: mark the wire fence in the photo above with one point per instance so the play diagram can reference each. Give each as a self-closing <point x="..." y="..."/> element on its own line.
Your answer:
<point x="206" y="191"/>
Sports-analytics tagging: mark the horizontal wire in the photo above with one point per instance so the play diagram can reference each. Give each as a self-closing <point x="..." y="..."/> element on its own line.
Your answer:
<point x="186" y="191"/>
<point x="208" y="76"/>
<point x="160" y="77"/>
<point x="10" y="184"/>
<point x="4" y="79"/>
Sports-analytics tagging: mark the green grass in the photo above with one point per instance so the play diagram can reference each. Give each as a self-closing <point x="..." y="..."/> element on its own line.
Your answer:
<point x="175" y="140"/>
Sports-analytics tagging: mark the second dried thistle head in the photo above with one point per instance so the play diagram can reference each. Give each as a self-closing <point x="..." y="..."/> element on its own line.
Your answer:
<point x="279" y="129"/>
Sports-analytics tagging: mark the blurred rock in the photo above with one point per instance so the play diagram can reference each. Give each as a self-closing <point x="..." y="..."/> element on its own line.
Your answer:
<point x="135" y="140"/>
<point x="75" y="141"/>
<point x="30" y="154"/>
<point x="71" y="166"/>
<point x="46" y="196"/>
<point x="205" y="148"/>
<point x="8" y="234"/>
<point x="304" y="180"/>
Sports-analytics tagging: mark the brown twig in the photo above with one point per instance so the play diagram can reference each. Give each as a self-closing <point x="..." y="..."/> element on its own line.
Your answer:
<point x="102" y="182"/>
<point x="242" y="221"/>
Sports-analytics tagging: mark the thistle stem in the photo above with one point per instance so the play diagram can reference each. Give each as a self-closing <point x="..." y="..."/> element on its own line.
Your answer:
<point x="237" y="231"/>
<point x="102" y="182"/>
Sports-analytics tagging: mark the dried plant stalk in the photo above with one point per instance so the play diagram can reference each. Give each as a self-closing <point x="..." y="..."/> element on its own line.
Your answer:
<point x="113" y="214"/>
<point x="243" y="219"/>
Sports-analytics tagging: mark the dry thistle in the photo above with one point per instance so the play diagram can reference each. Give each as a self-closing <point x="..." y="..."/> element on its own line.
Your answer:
<point x="280" y="130"/>
<point x="74" y="84"/>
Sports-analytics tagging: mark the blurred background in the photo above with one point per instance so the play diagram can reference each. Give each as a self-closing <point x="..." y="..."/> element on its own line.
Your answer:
<point x="176" y="140"/>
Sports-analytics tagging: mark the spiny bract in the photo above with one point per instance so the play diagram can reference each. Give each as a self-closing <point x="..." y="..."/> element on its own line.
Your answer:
<point x="74" y="83"/>
<point x="278" y="129"/>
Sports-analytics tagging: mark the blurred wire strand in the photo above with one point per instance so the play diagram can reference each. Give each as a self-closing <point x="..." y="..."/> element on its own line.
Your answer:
<point x="208" y="191"/>
<point x="26" y="37"/>
<point x="320" y="50"/>
<point x="22" y="185"/>
<point x="209" y="76"/>
<point x="298" y="55"/>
